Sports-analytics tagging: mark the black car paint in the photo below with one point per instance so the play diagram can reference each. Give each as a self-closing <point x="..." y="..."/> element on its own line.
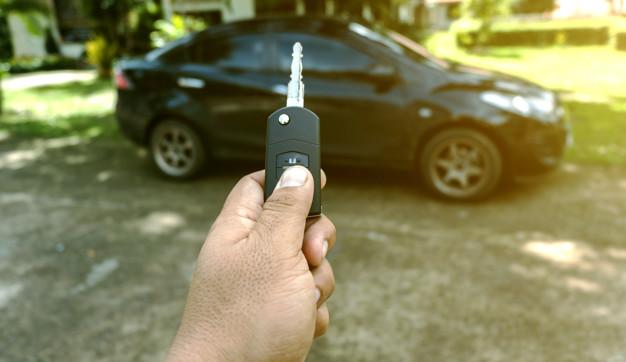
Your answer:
<point x="370" y="120"/>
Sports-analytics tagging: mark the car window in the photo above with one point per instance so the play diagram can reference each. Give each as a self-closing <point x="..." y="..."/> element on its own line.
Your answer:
<point x="244" y="52"/>
<point x="323" y="55"/>
<point x="399" y="44"/>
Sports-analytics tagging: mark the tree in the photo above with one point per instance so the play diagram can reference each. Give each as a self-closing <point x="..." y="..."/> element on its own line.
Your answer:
<point x="485" y="12"/>
<point x="121" y="27"/>
<point x="125" y="24"/>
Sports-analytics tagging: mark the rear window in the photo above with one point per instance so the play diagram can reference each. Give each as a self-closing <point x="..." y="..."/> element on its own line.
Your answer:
<point x="171" y="51"/>
<point x="322" y="55"/>
<point x="243" y="52"/>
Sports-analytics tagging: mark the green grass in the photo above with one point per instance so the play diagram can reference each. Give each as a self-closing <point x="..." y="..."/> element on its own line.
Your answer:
<point x="82" y="108"/>
<point x="615" y="23"/>
<point x="592" y="80"/>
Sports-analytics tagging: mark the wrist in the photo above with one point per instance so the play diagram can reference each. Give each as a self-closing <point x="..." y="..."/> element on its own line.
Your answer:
<point x="191" y="347"/>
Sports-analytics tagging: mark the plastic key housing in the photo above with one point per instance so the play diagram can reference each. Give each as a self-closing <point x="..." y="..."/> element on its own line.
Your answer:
<point x="296" y="142"/>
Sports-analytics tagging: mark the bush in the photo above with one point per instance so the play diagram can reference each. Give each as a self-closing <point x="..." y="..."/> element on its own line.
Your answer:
<point x="544" y="37"/>
<point x="532" y="6"/>
<point x="621" y="41"/>
<point x="52" y="62"/>
<point x="101" y="54"/>
<point x="166" y="31"/>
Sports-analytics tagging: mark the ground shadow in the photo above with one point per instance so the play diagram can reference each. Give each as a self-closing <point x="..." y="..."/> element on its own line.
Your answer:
<point x="89" y="124"/>
<point x="79" y="88"/>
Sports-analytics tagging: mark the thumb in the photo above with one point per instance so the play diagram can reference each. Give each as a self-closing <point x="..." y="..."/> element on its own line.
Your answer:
<point x="284" y="214"/>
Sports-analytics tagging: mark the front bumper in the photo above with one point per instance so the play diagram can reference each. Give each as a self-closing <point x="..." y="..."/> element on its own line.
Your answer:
<point x="541" y="147"/>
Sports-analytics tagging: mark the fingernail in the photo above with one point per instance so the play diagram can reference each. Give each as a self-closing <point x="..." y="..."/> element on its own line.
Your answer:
<point x="293" y="176"/>
<point x="318" y="294"/>
<point x="324" y="248"/>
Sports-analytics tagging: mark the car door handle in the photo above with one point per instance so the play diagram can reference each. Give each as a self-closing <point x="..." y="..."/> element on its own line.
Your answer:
<point x="186" y="82"/>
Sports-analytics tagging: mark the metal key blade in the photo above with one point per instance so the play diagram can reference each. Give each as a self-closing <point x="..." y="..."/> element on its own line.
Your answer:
<point x="295" y="89"/>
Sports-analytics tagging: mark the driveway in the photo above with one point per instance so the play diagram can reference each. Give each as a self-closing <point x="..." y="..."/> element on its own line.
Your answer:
<point x="96" y="253"/>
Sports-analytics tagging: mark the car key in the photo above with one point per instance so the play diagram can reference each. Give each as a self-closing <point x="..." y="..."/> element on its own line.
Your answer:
<point x="293" y="136"/>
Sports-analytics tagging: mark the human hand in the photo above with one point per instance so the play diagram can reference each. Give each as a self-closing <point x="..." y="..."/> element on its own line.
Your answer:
<point x="262" y="280"/>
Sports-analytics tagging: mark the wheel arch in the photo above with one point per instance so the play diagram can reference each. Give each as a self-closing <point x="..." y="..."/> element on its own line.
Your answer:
<point x="204" y="137"/>
<point x="473" y="124"/>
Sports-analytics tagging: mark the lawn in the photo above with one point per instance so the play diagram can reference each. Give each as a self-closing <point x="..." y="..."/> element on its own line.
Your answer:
<point x="82" y="109"/>
<point x="592" y="80"/>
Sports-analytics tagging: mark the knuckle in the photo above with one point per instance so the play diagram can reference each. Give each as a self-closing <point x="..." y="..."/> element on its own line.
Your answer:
<point x="326" y="279"/>
<point x="323" y="321"/>
<point x="331" y="281"/>
<point x="332" y="229"/>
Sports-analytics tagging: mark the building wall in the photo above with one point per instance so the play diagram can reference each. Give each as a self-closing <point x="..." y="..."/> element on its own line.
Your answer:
<point x="571" y="8"/>
<point x="25" y="43"/>
<point x="236" y="10"/>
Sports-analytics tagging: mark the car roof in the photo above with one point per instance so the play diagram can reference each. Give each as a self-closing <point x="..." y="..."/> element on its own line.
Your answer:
<point x="283" y="22"/>
<point x="317" y="24"/>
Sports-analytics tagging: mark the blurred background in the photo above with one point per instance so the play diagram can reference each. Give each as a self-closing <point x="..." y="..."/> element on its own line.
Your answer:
<point x="470" y="260"/>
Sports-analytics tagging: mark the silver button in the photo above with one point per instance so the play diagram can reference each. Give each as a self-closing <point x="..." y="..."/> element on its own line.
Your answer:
<point x="283" y="119"/>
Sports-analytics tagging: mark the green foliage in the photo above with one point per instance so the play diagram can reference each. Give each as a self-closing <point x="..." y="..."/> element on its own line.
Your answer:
<point x="51" y="62"/>
<point x="34" y="21"/>
<point x="484" y="12"/>
<point x="30" y="11"/>
<point x="82" y="109"/>
<point x="23" y="6"/>
<point x="596" y="100"/>
<point x="620" y="41"/>
<point x="126" y="24"/>
<point x="547" y="37"/>
<point x="180" y="26"/>
<point x="532" y="6"/>
<point x="515" y="32"/>
<point x="101" y="53"/>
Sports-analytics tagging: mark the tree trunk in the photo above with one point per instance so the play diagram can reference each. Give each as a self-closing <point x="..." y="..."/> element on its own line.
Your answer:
<point x="167" y="9"/>
<point x="54" y="26"/>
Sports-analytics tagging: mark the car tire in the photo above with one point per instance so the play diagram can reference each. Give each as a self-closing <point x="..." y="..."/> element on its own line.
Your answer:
<point x="177" y="150"/>
<point x="461" y="164"/>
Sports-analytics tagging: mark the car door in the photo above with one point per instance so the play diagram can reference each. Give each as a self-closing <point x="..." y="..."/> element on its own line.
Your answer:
<point x="233" y="83"/>
<point x="357" y="96"/>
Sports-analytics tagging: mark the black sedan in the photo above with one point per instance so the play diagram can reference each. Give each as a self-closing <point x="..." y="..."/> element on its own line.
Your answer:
<point x="382" y="99"/>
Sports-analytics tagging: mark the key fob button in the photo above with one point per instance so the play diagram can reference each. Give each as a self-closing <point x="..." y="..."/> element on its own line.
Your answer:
<point x="292" y="159"/>
<point x="288" y="159"/>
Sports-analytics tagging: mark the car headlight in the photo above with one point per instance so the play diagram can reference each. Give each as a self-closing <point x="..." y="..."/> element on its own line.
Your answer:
<point x="508" y="102"/>
<point x="540" y="106"/>
<point x="545" y="103"/>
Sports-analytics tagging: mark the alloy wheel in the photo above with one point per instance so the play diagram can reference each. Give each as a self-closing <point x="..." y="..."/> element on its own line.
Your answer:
<point x="458" y="167"/>
<point x="175" y="149"/>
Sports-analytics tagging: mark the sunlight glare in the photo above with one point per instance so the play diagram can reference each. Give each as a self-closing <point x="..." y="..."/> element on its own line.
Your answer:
<point x="558" y="251"/>
<point x="160" y="222"/>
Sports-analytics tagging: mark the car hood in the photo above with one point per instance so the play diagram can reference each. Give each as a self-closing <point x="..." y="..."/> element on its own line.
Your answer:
<point x="470" y="78"/>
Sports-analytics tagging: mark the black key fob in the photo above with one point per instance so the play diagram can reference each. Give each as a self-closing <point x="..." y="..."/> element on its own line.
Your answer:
<point x="293" y="138"/>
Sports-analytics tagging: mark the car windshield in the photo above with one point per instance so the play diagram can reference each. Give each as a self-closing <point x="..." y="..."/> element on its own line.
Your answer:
<point x="400" y="44"/>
